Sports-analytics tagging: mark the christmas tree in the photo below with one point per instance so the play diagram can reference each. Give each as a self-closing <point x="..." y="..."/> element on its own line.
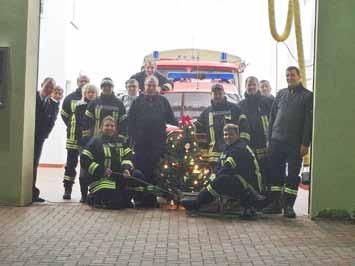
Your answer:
<point x="183" y="167"/>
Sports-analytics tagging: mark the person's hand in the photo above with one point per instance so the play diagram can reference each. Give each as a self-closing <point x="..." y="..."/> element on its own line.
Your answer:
<point x="108" y="172"/>
<point x="126" y="173"/>
<point x="303" y="150"/>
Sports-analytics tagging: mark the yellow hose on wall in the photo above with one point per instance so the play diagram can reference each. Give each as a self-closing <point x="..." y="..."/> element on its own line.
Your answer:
<point x="293" y="13"/>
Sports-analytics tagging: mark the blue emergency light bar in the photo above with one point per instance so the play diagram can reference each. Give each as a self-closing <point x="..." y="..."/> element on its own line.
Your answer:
<point x="200" y="75"/>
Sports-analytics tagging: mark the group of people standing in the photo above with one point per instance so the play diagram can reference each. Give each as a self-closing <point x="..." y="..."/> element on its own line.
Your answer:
<point x="265" y="139"/>
<point x="103" y="135"/>
<point x="250" y="144"/>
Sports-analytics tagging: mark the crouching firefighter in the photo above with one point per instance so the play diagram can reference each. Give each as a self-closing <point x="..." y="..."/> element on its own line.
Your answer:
<point x="106" y="159"/>
<point x="237" y="176"/>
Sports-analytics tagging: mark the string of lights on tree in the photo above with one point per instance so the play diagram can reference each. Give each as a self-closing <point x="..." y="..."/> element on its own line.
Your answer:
<point x="183" y="167"/>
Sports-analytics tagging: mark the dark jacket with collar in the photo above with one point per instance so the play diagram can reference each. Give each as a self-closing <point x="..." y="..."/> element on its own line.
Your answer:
<point x="291" y="117"/>
<point x="46" y="115"/>
<point x="148" y="117"/>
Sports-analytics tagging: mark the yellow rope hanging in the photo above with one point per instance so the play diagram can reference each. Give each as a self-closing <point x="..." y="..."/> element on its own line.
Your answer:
<point x="292" y="13"/>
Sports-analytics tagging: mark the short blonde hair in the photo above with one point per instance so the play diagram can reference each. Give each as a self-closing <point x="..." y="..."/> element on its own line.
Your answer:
<point x="89" y="87"/>
<point x="149" y="61"/>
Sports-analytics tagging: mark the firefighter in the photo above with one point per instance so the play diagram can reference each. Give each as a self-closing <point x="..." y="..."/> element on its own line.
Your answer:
<point x="46" y="115"/>
<point x="76" y="133"/>
<point x="105" y="105"/>
<point x="107" y="160"/>
<point x="257" y="109"/>
<point x="72" y="146"/>
<point x="147" y="120"/>
<point x="215" y="117"/>
<point x="150" y="68"/>
<point x="237" y="176"/>
<point x="290" y="134"/>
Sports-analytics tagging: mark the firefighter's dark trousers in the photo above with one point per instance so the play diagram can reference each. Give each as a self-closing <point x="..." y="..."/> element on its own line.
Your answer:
<point x="116" y="197"/>
<point x="232" y="186"/>
<point x="70" y="166"/>
<point x="36" y="157"/>
<point x="147" y="155"/>
<point x="70" y="171"/>
<point x="286" y="164"/>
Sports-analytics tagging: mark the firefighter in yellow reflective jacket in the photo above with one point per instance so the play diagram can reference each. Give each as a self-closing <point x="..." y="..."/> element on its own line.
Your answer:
<point x="105" y="105"/>
<point x="72" y="120"/>
<point x="257" y="109"/>
<point x="237" y="176"/>
<point x="214" y="118"/>
<point x="107" y="160"/>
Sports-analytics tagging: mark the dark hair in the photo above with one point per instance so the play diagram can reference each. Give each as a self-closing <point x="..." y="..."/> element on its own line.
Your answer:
<point x="132" y="81"/>
<point x="251" y="78"/>
<point x="290" y="68"/>
<point x="233" y="127"/>
<point x="217" y="87"/>
<point x="47" y="79"/>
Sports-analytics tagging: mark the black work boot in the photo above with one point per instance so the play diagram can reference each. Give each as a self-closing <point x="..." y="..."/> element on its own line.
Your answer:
<point x="67" y="191"/>
<point x="83" y="190"/>
<point x="204" y="197"/>
<point x="190" y="204"/>
<point x="274" y="207"/>
<point x="249" y="213"/>
<point x="289" y="201"/>
<point x="83" y="198"/>
<point x="289" y="212"/>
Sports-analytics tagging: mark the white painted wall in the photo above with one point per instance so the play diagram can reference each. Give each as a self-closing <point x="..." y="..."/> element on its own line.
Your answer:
<point x="53" y="62"/>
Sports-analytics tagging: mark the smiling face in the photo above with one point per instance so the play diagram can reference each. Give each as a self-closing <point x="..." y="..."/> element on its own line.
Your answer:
<point x="57" y="93"/>
<point x="150" y="68"/>
<point x="150" y="87"/>
<point x="230" y="136"/>
<point x="265" y="88"/>
<point x="107" y="89"/>
<point x="251" y="86"/>
<point x="90" y="95"/>
<point x="109" y="128"/>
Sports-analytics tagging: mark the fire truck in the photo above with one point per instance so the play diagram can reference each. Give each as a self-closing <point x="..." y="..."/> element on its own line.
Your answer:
<point x="193" y="72"/>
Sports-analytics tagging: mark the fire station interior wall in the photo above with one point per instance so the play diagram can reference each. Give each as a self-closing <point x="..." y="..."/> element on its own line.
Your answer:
<point x="333" y="169"/>
<point x="19" y="27"/>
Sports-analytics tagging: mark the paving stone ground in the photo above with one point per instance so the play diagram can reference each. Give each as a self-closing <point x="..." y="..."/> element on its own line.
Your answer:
<point x="75" y="234"/>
